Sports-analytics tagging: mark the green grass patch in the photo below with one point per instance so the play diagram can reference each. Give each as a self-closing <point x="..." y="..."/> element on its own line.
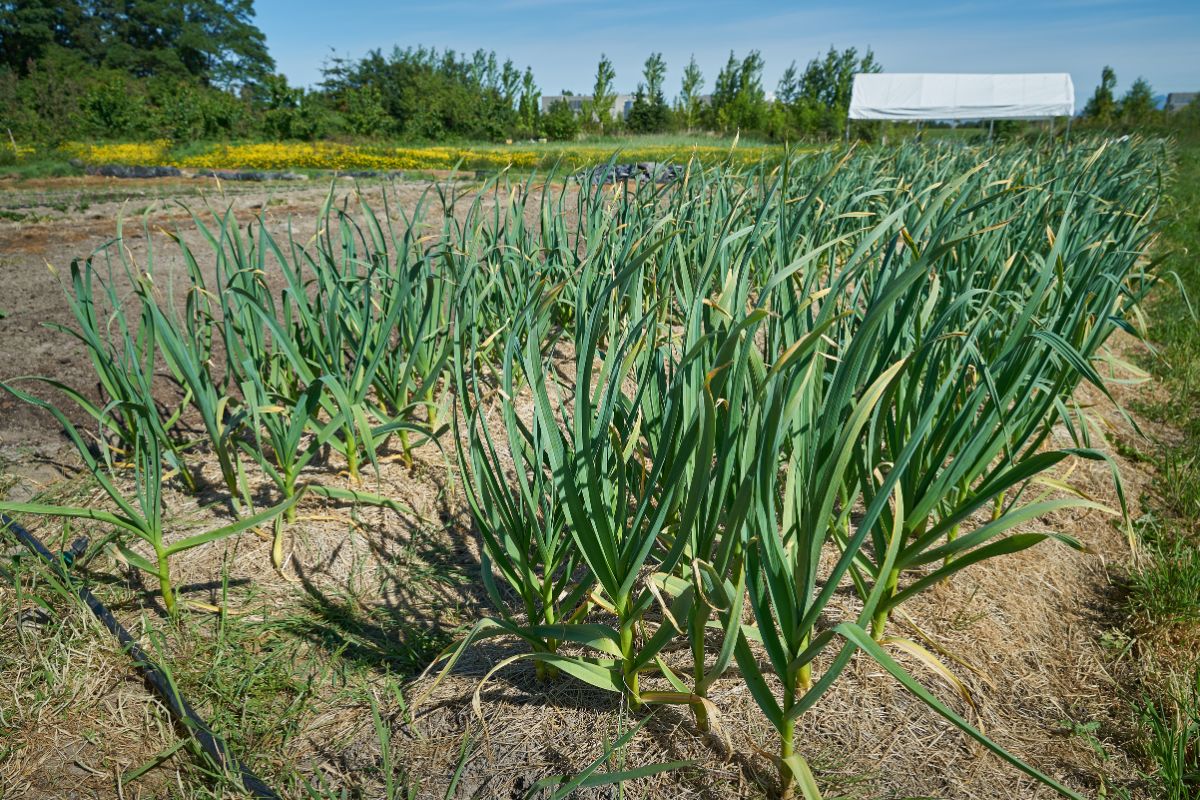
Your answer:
<point x="51" y="164"/>
<point x="1164" y="597"/>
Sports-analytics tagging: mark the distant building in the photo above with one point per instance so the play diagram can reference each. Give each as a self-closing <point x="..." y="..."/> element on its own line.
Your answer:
<point x="620" y="107"/>
<point x="1177" y="100"/>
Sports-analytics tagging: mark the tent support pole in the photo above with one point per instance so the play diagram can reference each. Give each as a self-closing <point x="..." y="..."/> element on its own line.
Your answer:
<point x="991" y="125"/>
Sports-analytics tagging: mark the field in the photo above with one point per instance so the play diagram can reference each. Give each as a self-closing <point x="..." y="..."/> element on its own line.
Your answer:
<point x="819" y="474"/>
<point x="321" y="157"/>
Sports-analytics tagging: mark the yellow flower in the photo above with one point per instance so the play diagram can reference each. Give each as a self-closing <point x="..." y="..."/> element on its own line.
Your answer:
<point x="132" y="154"/>
<point x="333" y="156"/>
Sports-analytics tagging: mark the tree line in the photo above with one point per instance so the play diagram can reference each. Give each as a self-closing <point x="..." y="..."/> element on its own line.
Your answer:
<point x="199" y="70"/>
<point x="1136" y="110"/>
<point x="809" y="103"/>
<point x="1137" y="107"/>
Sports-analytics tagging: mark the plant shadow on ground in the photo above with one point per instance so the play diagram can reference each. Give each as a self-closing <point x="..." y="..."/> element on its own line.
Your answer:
<point x="141" y="598"/>
<point x="514" y="694"/>
<point x="425" y="587"/>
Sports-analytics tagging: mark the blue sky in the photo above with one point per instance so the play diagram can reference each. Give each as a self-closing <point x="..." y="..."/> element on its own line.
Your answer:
<point x="563" y="39"/>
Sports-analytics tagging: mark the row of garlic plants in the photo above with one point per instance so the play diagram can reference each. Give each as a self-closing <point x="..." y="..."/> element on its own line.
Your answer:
<point x="303" y="358"/>
<point x="740" y="395"/>
<point x="689" y="412"/>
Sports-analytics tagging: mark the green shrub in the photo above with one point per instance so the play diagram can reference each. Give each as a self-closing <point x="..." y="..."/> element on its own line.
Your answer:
<point x="560" y="122"/>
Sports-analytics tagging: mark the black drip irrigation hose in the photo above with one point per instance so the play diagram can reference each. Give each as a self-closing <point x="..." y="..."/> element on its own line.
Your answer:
<point x="212" y="744"/>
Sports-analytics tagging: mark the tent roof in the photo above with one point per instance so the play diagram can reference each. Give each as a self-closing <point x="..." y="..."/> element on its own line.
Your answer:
<point x="912" y="96"/>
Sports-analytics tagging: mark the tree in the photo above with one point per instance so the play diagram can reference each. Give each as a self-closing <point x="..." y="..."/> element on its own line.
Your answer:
<point x="290" y="112"/>
<point x="654" y="71"/>
<point x="560" y="121"/>
<point x="110" y="110"/>
<point x="599" y="110"/>
<point x="738" y="101"/>
<point x="648" y="114"/>
<point x="1137" y="106"/>
<point x="213" y="41"/>
<point x="787" y="91"/>
<point x="792" y="114"/>
<point x="483" y="69"/>
<point x="177" y="109"/>
<point x="823" y="93"/>
<point x="30" y="28"/>
<point x="725" y="89"/>
<point x="510" y="82"/>
<point x="640" y="118"/>
<point x="817" y="99"/>
<point x="527" y="109"/>
<point x="431" y="95"/>
<point x="46" y="104"/>
<point x="689" y="96"/>
<point x="365" y="114"/>
<point x="1102" y="105"/>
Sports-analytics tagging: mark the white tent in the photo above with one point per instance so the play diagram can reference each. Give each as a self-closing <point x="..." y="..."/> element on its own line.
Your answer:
<point x="910" y="96"/>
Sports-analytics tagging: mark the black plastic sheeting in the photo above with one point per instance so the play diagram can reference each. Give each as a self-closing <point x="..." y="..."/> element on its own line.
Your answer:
<point x="250" y="175"/>
<point x="121" y="171"/>
<point x="125" y="171"/>
<point x="368" y="173"/>
<point x="640" y="172"/>
<point x="212" y="744"/>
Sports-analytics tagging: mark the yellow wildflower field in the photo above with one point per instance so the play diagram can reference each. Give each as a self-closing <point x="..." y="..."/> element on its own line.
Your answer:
<point x="335" y="156"/>
<point x="129" y="154"/>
